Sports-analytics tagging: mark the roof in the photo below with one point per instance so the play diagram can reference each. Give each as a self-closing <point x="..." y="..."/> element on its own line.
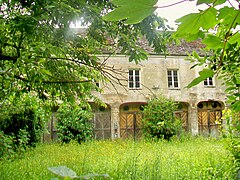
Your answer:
<point x="187" y="47"/>
<point x="182" y="49"/>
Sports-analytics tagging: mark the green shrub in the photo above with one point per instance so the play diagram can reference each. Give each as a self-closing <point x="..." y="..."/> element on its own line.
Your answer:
<point x="23" y="120"/>
<point x="232" y="135"/>
<point x="159" y="120"/>
<point x="21" y="124"/>
<point x="12" y="146"/>
<point x="74" y="124"/>
<point x="7" y="147"/>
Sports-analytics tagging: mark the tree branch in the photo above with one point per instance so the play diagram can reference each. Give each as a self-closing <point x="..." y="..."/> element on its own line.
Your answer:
<point x="51" y="82"/>
<point x="7" y="58"/>
<point x="169" y="5"/>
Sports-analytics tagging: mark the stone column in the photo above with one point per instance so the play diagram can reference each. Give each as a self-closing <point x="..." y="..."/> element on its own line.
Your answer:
<point x="193" y="119"/>
<point x="115" y="129"/>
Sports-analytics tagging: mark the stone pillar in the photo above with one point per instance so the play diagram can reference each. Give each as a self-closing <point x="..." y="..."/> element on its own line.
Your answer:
<point x="193" y="118"/>
<point x="115" y="129"/>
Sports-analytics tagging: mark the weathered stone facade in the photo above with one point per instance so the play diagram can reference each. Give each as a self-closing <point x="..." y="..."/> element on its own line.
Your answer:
<point x="202" y="104"/>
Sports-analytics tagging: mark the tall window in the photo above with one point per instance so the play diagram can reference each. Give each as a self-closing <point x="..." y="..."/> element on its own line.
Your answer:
<point x="134" y="79"/>
<point x="173" y="79"/>
<point x="208" y="82"/>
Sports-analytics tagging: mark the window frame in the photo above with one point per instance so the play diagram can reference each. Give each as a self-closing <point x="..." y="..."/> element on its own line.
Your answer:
<point x="135" y="84"/>
<point x="172" y="76"/>
<point x="209" y="82"/>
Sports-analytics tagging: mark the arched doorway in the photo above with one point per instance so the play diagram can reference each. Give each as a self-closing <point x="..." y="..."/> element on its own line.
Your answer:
<point x="182" y="114"/>
<point x="209" y="117"/>
<point x="101" y="121"/>
<point x="131" y="120"/>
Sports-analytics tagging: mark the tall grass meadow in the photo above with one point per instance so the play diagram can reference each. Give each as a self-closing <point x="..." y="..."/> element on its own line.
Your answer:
<point x="191" y="158"/>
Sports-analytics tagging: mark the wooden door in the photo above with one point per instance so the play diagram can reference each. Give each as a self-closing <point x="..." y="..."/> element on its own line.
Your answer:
<point x="131" y="125"/>
<point x="209" y="122"/>
<point x="183" y="116"/>
<point x="102" y="125"/>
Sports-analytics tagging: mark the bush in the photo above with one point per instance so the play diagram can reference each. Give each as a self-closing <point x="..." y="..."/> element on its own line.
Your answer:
<point x="232" y="135"/>
<point x="74" y="124"/>
<point x="159" y="120"/>
<point x="7" y="147"/>
<point x="21" y="124"/>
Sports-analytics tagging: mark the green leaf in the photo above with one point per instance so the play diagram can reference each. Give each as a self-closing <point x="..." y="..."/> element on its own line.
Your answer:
<point x="230" y="89"/>
<point x="204" y="2"/>
<point x="192" y="23"/>
<point x="236" y="105"/>
<point x="235" y="38"/>
<point x="134" y="11"/>
<point x="216" y="2"/>
<point x="45" y="71"/>
<point x="204" y="74"/>
<point x="90" y="176"/>
<point x="227" y="15"/>
<point x="63" y="171"/>
<point x="213" y="42"/>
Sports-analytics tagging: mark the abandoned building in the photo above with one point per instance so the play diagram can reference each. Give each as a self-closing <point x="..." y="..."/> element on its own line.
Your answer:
<point x="200" y="106"/>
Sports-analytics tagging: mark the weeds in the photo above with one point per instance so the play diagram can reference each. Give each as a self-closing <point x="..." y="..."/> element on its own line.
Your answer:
<point x="194" y="158"/>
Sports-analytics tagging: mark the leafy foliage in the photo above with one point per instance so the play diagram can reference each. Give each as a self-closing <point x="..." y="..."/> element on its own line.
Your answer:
<point x="204" y="74"/>
<point x="66" y="172"/>
<point x="41" y="53"/>
<point x="7" y="146"/>
<point x="124" y="10"/>
<point x="74" y="124"/>
<point x="218" y="27"/>
<point x="21" y="124"/>
<point x="233" y="133"/>
<point x="159" y="120"/>
<point x="63" y="171"/>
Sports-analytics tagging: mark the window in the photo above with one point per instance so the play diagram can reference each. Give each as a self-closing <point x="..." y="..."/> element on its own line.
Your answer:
<point x="208" y="82"/>
<point x="97" y="84"/>
<point x="173" y="79"/>
<point x="134" y="79"/>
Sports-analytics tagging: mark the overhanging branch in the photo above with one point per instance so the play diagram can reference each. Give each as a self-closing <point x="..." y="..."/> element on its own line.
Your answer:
<point x="51" y="82"/>
<point x="8" y="58"/>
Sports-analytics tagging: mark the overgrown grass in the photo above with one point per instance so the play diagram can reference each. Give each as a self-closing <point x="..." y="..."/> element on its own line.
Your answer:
<point x="194" y="158"/>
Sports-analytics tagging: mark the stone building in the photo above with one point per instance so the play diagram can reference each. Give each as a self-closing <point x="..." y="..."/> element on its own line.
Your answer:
<point x="200" y="107"/>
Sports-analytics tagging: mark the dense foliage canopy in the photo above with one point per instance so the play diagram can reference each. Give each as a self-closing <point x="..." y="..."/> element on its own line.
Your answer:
<point x="45" y="61"/>
<point x="40" y="52"/>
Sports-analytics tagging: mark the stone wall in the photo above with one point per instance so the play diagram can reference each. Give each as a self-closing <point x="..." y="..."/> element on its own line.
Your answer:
<point x="154" y="81"/>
